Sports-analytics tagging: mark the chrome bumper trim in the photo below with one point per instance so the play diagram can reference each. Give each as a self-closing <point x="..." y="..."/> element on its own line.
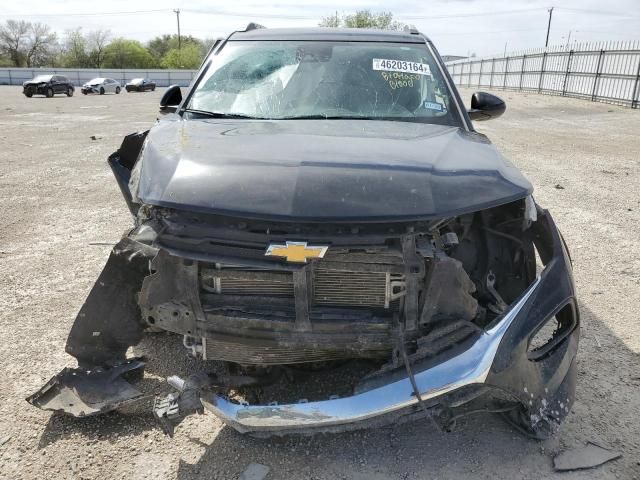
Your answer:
<point x="469" y="367"/>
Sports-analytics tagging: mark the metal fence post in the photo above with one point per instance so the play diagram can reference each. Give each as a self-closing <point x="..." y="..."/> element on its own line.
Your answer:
<point x="493" y="67"/>
<point x="469" y="76"/>
<point x="506" y="69"/>
<point x="524" y="60"/>
<point x="566" y="75"/>
<point x="542" y="67"/>
<point x="597" y="77"/>
<point x="634" y="96"/>
<point x="480" y="74"/>
<point x="10" y="79"/>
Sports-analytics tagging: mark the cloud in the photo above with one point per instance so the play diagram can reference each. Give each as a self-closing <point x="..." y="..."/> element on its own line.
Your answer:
<point x="456" y="26"/>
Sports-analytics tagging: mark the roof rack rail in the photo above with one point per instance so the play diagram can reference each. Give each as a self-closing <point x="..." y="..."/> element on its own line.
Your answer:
<point x="253" y="26"/>
<point x="411" y="30"/>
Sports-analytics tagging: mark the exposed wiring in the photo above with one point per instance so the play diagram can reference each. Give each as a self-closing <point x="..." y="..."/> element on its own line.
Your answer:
<point x="405" y="359"/>
<point x="502" y="234"/>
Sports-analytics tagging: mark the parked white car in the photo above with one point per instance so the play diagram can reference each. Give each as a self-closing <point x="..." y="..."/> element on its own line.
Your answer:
<point x="101" y="86"/>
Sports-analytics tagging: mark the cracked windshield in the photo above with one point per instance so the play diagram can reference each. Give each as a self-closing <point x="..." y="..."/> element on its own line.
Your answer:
<point x="356" y="80"/>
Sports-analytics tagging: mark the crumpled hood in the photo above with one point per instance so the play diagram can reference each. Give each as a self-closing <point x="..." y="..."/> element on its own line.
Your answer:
<point x="318" y="170"/>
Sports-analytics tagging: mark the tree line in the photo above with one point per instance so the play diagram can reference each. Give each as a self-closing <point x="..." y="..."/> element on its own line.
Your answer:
<point x="26" y="44"/>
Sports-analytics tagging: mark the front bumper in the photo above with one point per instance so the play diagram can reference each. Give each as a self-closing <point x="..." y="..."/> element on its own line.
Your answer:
<point x="89" y="89"/>
<point x="496" y="364"/>
<point x="496" y="360"/>
<point x="39" y="89"/>
<point x="470" y="367"/>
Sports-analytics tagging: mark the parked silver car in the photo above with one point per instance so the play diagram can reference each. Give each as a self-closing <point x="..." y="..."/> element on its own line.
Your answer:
<point x="101" y="86"/>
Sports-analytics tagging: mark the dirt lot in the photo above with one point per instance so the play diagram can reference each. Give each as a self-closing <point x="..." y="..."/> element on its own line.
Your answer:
<point x="61" y="211"/>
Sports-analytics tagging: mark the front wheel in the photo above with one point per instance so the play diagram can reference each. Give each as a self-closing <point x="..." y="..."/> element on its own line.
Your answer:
<point x="117" y="90"/>
<point x="28" y="94"/>
<point x="49" y="92"/>
<point x="153" y="89"/>
<point x="69" y="92"/>
<point x="101" y="91"/>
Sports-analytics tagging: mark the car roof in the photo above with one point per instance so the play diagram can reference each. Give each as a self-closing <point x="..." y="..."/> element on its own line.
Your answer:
<point x="329" y="34"/>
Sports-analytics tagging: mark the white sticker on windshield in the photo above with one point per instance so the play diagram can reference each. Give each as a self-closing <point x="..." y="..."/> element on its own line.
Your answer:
<point x="438" y="107"/>
<point x="401" y="66"/>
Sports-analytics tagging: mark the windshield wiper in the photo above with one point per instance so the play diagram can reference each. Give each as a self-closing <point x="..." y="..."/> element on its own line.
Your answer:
<point x="326" y="117"/>
<point x="206" y="113"/>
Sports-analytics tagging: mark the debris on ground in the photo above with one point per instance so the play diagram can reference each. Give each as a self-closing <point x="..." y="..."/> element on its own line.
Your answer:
<point x="96" y="137"/>
<point x="559" y="187"/>
<point x="255" y="471"/>
<point x="589" y="456"/>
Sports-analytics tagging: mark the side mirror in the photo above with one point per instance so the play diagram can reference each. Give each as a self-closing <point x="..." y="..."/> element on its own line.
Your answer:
<point x="485" y="106"/>
<point x="171" y="99"/>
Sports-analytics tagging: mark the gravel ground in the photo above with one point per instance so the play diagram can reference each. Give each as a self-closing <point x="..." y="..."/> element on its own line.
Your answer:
<point x="61" y="211"/>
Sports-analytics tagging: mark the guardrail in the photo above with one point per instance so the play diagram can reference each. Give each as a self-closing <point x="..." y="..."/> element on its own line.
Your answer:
<point x="78" y="76"/>
<point x="601" y="72"/>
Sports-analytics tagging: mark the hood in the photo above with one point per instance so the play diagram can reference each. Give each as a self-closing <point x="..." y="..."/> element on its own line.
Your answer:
<point x="323" y="170"/>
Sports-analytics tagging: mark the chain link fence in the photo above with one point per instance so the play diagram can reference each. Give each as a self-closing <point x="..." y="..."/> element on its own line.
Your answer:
<point x="604" y="72"/>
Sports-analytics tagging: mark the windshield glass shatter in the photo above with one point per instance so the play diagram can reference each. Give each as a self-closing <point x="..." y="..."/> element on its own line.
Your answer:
<point x="304" y="79"/>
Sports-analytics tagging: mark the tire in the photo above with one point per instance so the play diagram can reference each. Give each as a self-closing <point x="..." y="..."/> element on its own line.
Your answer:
<point x="153" y="89"/>
<point x="84" y="92"/>
<point x="69" y="92"/>
<point x="28" y="94"/>
<point x="101" y="91"/>
<point x="117" y="90"/>
<point x="49" y="92"/>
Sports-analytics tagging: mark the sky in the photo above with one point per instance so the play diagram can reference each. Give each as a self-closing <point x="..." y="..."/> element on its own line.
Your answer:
<point x="457" y="27"/>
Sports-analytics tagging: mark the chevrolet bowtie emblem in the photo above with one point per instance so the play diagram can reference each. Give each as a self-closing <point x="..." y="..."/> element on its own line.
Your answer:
<point x="296" y="251"/>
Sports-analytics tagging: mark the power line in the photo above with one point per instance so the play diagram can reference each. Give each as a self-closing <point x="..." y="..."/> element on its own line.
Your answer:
<point x="225" y="13"/>
<point x="284" y="16"/>
<point x="465" y="15"/>
<point x="598" y="12"/>
<point x="435" y="34"/>
<point x="92" y="14"/>
<point x="215" y="11"/>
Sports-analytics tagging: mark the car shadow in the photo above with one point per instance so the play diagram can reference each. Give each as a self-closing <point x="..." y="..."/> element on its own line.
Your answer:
<point x="481" y="444"/>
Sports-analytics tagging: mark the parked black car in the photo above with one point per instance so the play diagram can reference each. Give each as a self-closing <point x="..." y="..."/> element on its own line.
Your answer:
<point x="48" y="85"/>
<point x="140" y="85"/>
<point x="319" y="212"/>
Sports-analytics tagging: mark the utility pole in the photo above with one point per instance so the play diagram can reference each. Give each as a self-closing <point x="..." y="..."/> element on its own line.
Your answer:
<point x="177" y="12"/>
<point x="569" y="37"/>
<point x="546" y="44"/>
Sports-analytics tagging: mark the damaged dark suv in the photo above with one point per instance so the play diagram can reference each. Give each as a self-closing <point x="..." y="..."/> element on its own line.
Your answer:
<point x="319" y="213"/>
